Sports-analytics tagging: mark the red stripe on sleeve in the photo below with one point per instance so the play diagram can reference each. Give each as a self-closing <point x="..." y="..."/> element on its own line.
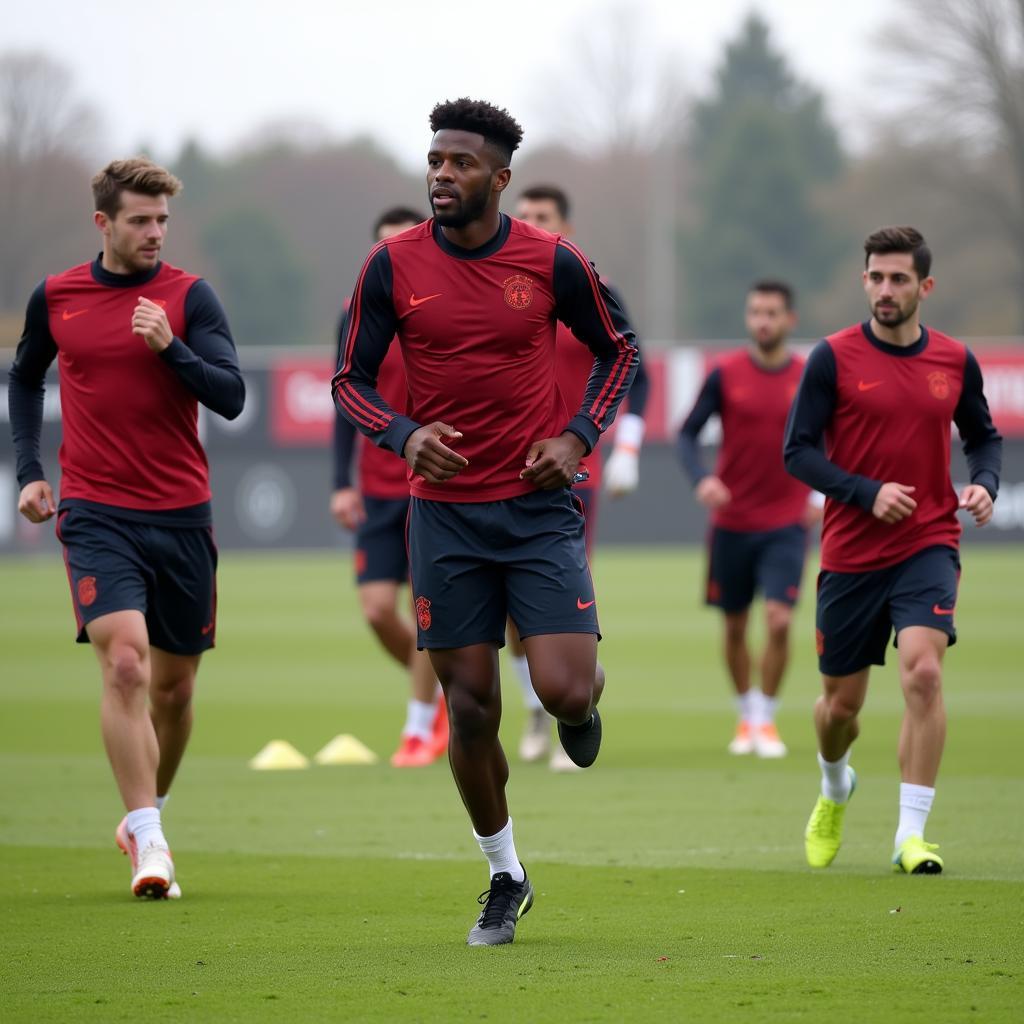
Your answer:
<point x="355" y="312"/>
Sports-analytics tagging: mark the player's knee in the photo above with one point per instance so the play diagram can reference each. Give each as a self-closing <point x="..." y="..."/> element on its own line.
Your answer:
<point x="922" y="680"/>
<point x="843" y="707"/>
<point x="469" y="718"/>
<point x="777" y="622"/>
<point x="572" y="701"/>
<point x="735" y="632"/>
<point x="126" y="670"/>
<point x="380" y="616"/>
<point x="174" y="695"/>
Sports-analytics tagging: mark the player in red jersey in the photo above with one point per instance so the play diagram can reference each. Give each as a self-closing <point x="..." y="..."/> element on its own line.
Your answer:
<point x="494" y="529"/>
<point x="139" y="344"/>
<point x="882" y="395"/>
<point x="547" y="207"/>
<point x="759" y="514"/>
<point x="375" y="509"/>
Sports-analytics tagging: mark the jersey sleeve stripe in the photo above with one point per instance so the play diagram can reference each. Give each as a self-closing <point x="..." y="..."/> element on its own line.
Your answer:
<point x="606" y="319"/>
<point x="356" y="309"/>
<point x="357" y="405"/>
<point x="611" y="387"/>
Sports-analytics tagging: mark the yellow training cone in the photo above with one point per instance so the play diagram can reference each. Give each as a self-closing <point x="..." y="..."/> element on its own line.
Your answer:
<point x="278" y="755"/>
<point x="346" y="749"/>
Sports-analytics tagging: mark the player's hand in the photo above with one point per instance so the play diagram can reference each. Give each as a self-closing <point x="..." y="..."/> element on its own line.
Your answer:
<point x="429" y="457"/>
<point x="712" y="493"/>
<point x="978" y="502"/>
<point x="622" y="471"/>
<point x="814" y="510"/>
<point x="36" y="502"/>
<point x="552" y="463"/>
<point x="893" y="502"/>
<point x="347" y="507"/>
<point x="149" y="321"/>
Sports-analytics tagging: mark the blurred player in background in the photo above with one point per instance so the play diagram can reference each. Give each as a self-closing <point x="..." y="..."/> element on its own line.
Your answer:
<point x="882" y="395"/>
<point x="139" y="343"/>
<point x="376" y="508"/>
<point x="547" y="207"/>
<point x="760" y="515"/>
<point x="494" y="529"/>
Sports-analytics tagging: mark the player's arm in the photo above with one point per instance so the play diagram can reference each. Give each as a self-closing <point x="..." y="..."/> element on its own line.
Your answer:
<point x="26" y="389"/>
<point x="371" y="326"/>
<point x="982" y="444"/>
<point x="207" y="362"/>
<point x="622" y="470"/>
<point x="709" y="490"/>
<point x="809" y="414"/>
<point x="346" y="502"/>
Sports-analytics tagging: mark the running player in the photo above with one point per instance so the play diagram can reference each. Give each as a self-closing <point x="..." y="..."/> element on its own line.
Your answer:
<point x="547" y="207"/>
<point x="376" y="509"/>
<point x="139" y="343"/>
<point x="882" y="395"/>
<point x="494" y="529"/>
<point x="759" y="514"/>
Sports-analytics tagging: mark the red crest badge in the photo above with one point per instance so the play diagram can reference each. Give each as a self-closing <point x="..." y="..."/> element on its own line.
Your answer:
<point x="518" y="291"/>
<point x="86" y="591"/>
<point x="360" y="560"/>
<point x="819" y="642"/>
<point x="938" y="384"/>
<point x="423" y="612"/>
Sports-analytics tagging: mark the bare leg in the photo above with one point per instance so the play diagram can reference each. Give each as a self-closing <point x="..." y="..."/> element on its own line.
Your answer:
<point x="737" y="655"/>
<point x="565" y="674"/>
<point x="121" y="643"/>
<point x="379" y="601"/>
<point x="923" y="733"/>
<point x="778" y="617"/>
<point x="469" y="676"/>
<point x="173" y="678"/>
<point x="836" y="710"/>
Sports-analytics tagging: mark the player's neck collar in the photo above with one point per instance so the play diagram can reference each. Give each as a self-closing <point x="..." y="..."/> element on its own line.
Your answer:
<point x="896" y="350"/>
<point x="481" y="252"/>
<point x="101" y="275"/>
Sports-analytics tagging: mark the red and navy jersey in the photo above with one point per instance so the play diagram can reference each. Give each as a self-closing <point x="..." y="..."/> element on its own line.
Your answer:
<point x="884" y="412"/>
<point x="382" y="474"/>
<point x="477" y="333"/>
<point x="130" y="440"/>
<point x="753" y="402"/>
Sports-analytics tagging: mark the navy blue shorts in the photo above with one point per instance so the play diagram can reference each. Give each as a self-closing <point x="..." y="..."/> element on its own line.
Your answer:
<point x="167" y="573"/>
<point x="474" y="564"/>
<point x="742" y="562"/>
<point x="588" y="497"/>
<point x="858" y="610"/>
<point x="381" y="553"/>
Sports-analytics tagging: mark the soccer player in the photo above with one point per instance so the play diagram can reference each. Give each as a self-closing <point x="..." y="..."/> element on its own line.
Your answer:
<point x="882" y="395"/>
<point x="759" y="514"/>
<point x="376" y="510"/>
<point x="547" y="207"/>
<point x="139" y="344"/>
<point x="494" y="528"/>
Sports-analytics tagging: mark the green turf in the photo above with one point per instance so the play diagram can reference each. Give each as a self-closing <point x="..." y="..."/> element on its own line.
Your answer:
<point x="670" y="879"/>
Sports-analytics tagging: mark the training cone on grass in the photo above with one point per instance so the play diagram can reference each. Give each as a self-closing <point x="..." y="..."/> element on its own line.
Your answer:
<point x="346" y="749"/>
<point x="278" y="755"/>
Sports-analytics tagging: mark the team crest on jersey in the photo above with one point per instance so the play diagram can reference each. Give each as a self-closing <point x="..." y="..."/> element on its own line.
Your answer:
<point x="518" y="291"/>
<point x="86" y="591"/>
<point x="423" y="612"/>
<point x="938" y="384"/>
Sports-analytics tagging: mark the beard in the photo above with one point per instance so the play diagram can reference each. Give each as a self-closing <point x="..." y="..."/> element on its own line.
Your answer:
<point x="894" y="316"/>
<point x="771" y="344"/>
<point x="465" y="212"/>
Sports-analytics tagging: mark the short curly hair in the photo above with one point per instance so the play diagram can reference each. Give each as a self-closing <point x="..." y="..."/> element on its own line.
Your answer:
<point x="501" y="131"/>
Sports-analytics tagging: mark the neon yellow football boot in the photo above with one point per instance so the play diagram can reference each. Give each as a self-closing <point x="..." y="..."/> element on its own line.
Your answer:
<point x="916" y="857"/>
<point x="824" y="833"/>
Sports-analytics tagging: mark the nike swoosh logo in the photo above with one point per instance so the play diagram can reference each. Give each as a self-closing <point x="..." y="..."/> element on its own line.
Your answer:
<point x="414" y="302"/>
<point x="71" y="316"/>
<point x="943" y="611"/>
<point x="206" y="630"/>
<point x="583" y="606"/>
<point x="869" y="386"/>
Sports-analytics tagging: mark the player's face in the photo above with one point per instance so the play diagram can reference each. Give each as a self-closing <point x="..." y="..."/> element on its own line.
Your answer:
<point x="769" y="322"/>
<point x="893" y="288"/>
<point x="132" y="238"/>
<point x="542" y="213"/>
<point x="461" y="178"/>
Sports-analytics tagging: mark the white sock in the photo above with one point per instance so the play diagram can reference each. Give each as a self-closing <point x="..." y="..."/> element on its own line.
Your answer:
<point x="161" y="802"/>
<point x="144" y="825"/>
<point x="419" y="719"/>
<point x="500" y="851"/>
<point x="745" y="705"/>
<point x="766" y="708"/>
<point x="530" y="698"/>
<point x="915" y="804"/>
<point x="835" y="779"/>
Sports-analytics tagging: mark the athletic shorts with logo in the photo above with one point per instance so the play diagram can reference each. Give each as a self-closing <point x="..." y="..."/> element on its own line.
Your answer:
<point x="166" y="572"/>
<point x="858" y="610"/>
<point x="474" y="564"/>
<point x="741" y="563"/>
<point x="380" y="552"/>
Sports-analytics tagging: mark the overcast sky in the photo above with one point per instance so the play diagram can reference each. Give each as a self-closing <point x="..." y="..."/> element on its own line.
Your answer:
<point x="218" y="70"/>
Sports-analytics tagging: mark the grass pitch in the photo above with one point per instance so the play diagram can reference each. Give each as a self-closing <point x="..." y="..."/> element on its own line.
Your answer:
<point x="670" y="879"/>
